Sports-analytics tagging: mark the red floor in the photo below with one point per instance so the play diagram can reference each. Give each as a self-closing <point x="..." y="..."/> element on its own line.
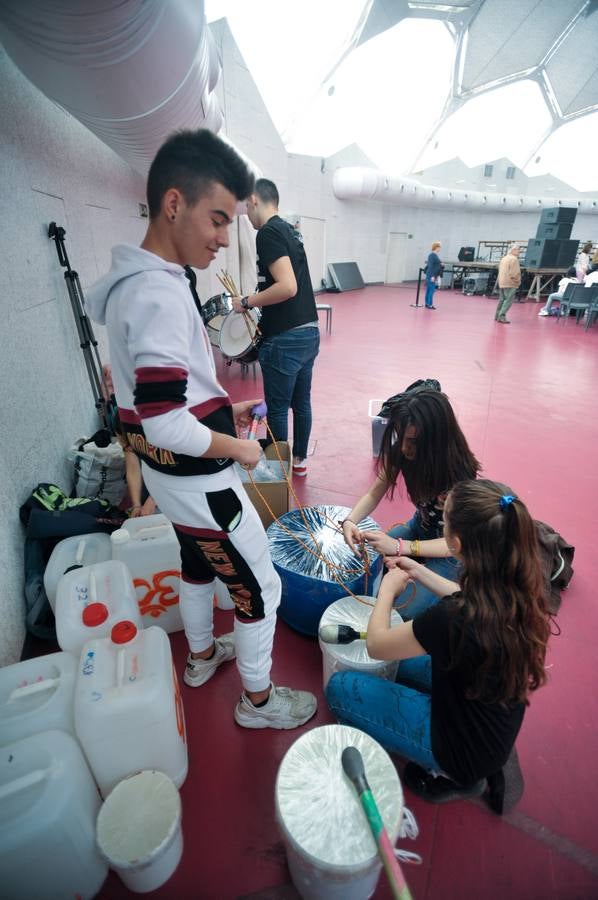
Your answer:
<point x="523" y="396"/>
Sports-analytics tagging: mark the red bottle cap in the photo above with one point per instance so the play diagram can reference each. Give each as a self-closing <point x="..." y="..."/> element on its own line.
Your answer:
<point x="123" y="632"/>
<point x="94" y="614"/>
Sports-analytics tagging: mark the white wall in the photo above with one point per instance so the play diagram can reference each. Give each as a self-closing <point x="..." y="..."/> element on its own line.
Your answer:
<point x="54" y="169"/>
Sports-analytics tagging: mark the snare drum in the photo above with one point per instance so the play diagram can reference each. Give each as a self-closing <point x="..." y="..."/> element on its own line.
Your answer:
<point x="213" y="313"/>
<point x="239" y="337"/>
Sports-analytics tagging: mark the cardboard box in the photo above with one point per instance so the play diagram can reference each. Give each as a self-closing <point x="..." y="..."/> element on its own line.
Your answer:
<point x="275" y="493"/>
<point x="378" y="425"/>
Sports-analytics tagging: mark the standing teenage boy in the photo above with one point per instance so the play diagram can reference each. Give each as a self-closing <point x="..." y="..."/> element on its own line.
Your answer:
<point x="181" y="423"/>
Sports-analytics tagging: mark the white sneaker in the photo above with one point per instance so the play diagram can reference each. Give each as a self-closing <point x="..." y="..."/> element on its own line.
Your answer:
<point x="198" y="671"/>
<point x="543" y="312"/>
<point x="285" y="709"/>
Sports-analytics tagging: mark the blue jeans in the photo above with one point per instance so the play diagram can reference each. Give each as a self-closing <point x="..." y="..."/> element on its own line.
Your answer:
<point x="287" y="362"/>
<point x="447" y="567"/>
<point x="430" y="288"/>
<point x="394" y="714"/>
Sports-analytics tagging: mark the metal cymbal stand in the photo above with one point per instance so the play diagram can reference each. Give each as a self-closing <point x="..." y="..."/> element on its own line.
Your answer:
<point x="87" y="340"/>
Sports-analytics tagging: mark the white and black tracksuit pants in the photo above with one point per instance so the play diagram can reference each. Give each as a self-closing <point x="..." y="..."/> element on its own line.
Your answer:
<point x="220" y="534"/>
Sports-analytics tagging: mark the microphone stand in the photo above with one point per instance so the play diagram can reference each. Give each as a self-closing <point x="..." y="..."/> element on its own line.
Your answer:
<point x="87" y="340"/>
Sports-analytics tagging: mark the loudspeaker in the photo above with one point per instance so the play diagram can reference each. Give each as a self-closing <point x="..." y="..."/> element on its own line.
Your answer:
<point x="466" y="254"/>
<point x="345" y="276"/>
<point x="558" y="215"/>
<point x="559" y="231"/>
<point x="567" y="254"/>
<point x="543" y="254"/>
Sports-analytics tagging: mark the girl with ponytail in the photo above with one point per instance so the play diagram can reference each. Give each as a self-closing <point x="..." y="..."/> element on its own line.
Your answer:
<point x="472" y="660"/>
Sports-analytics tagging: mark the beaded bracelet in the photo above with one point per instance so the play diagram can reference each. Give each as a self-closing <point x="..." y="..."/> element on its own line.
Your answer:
<point x="399" y="546"/>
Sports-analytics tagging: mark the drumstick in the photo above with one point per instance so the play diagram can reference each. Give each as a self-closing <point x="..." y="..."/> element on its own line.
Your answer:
<point x="248" y="319"/>
<point x="353" y="768"/>
<point x="223" y="283"/>
<point x="229" y="283"/>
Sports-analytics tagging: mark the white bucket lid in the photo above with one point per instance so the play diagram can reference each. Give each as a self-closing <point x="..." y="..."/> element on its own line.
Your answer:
<point x="349" y="611"/>
<point x="318" y="807"/>
<point x="138" y="823"/>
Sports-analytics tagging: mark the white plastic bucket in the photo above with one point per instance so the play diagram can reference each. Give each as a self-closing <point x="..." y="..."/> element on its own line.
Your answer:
<point x="149" y="547"/>
<point x="331" y="852"/>
<point x="91" y="600"/>
<point x="37" y="695"/>
<point x="128" y="707"/>
<point x="139" y="830"/>
<point x="353" y="657"/>
<point x="48" y="809"/>
<point x="80" y="550"/>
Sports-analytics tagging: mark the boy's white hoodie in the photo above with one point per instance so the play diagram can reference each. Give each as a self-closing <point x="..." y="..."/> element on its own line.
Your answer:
<point x="163" y="370"/>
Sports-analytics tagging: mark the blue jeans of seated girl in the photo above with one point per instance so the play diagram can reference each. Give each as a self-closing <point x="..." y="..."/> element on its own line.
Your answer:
<point x="447" y="567"/>
<point x="394" y="714"/>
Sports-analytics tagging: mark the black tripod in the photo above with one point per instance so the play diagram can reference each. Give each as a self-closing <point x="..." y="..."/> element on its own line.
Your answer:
<point x="87" y="340"/>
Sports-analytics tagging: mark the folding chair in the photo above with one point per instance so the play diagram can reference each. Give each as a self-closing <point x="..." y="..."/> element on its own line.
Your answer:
<point x="593" y="307"/>
<point x="578" y="301"/>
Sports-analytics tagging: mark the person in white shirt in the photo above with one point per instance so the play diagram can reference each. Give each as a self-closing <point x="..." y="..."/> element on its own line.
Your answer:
<point x="182" y="425"/>
<point x="569" y="278"/>
<point x="592" y="277"/>
<point x="583" y="261"/>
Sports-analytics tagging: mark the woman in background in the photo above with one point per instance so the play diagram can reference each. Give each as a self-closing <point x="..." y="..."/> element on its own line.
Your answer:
<point x="583" y="261"/>
<point x="434" y="271"/>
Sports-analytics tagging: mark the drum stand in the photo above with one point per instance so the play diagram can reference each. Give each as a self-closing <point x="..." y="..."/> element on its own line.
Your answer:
<point x="87" y="340"/>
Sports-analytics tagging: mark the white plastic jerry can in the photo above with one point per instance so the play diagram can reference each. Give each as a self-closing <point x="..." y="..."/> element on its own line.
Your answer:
<point x="74" y="552"/>
<point x="149" y="547"/>
<point x="48" y="809"/>
<point x="91" y="600"/>
<point x="37" y="695"/>
<point x="128" y="706"/>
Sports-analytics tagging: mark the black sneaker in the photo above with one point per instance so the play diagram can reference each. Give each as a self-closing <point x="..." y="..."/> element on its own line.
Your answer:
<point x="438" y="789"/>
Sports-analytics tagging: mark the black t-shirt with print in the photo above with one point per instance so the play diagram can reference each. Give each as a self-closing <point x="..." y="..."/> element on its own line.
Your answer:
<point x="276" y="239"/>
<point x="470" y="739"/>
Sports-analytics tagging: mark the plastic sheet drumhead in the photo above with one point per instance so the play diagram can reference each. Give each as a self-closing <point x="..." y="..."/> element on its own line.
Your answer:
<point x="354" y="656"/>
<point x="301" y="549"/>
<point x="317" y="806"/>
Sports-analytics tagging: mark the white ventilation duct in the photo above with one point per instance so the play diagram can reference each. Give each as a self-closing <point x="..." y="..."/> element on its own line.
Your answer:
<point x="132" y="71"/>
<point x="360" y="183"/>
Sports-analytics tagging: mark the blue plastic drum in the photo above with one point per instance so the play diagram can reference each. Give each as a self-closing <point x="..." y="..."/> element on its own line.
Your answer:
<point x="303" y="543"/>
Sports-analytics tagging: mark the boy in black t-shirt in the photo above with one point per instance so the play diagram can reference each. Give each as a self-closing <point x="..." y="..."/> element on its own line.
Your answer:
<point x="289" y="320"/>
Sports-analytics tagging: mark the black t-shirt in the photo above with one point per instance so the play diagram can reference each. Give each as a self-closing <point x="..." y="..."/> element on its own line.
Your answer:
<point x="276" y="239"/>
<point x="470" y="739"/>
